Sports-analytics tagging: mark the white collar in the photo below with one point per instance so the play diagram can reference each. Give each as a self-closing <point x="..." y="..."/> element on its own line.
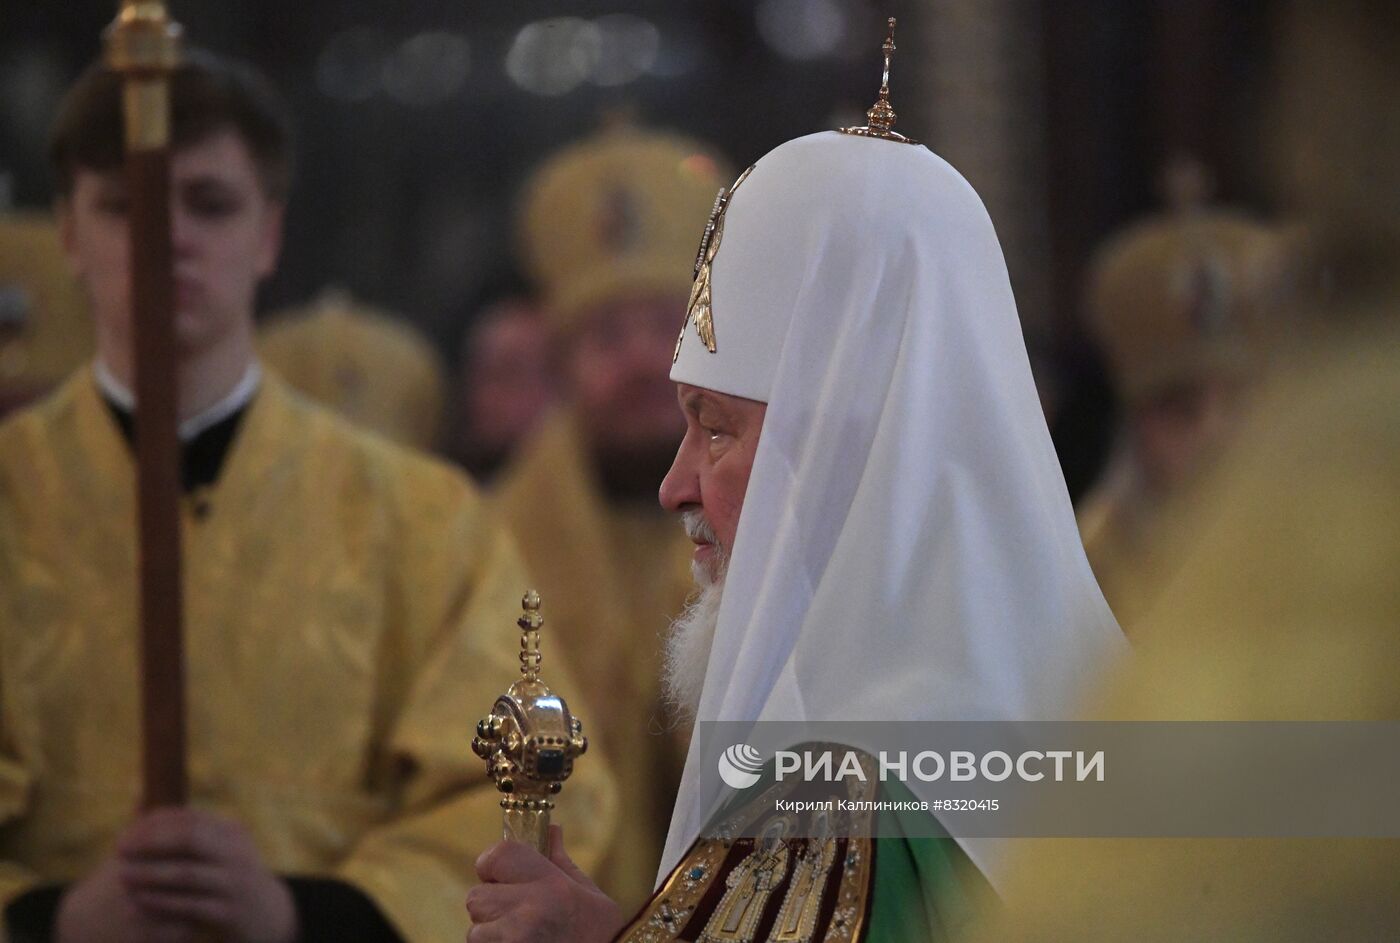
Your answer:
<point x="237" y="398"/>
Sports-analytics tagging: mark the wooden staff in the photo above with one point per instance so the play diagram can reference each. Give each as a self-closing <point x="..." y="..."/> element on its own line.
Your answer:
<point x="143" y="46"/>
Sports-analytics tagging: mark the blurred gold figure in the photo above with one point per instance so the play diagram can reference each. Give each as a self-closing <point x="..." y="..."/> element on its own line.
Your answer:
<point x="1287" y="608"/>
<point x="609" y="234"/>
<point x="348" y="602"/>
<point x="1285" y="605"/>
<point x="369" y="366"/>
<point x="1186" y="307"/>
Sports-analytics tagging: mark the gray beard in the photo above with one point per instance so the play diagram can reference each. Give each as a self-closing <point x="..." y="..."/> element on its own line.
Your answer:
<point x="688" y="645"/>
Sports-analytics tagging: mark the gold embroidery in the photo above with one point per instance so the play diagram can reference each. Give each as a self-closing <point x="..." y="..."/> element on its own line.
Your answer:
<point x="663" y="921"/>
<point x="750" y="884"/>
<point x="853" y="893"/>
<point x="797" y="920"/>
<point x="668" y="912"/>
<point x="699" y="308"/>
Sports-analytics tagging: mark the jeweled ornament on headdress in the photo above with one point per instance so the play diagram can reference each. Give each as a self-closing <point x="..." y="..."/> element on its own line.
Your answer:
<point x="881" y="114"/>
<point x="700" y="309"/>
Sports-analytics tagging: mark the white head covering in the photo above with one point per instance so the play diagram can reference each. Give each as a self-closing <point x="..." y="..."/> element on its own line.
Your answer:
<point x="907" y="549"/>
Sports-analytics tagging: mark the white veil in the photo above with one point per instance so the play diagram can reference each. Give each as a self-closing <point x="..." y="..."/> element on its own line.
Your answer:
<point x="907" y="549"/>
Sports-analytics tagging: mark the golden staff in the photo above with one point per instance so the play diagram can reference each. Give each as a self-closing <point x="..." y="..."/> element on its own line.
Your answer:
<point x="143" y="45"/>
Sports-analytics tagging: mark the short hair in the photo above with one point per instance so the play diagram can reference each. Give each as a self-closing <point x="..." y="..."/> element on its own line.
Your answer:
<point x="208" y="94"/>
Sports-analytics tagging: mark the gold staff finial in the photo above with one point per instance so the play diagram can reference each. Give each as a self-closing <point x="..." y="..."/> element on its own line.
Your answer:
<point x="881" y="116"/>
<point x="143" y="44"/>
<point x="529" y="740"/>
<point x="530" y="623"/>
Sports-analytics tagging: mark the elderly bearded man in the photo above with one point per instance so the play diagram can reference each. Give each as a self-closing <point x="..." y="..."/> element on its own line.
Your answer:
<point x="882" y="530"/>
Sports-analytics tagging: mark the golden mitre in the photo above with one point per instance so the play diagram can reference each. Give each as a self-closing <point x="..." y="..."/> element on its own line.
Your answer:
<point x="368" y="365"/>
<point x="1193" y="292"/>
<point x="614" y="215"/>
<point x="45" y="331"/>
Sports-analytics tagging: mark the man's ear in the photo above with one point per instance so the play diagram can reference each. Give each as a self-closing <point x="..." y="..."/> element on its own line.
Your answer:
<point x="270" y="243"/>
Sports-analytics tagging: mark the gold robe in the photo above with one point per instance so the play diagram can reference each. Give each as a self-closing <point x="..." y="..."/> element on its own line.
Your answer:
<point x="1123" y="528"/>
<point x="1110" y="526"/>
<point x="349" y="616"/>
<point x="612" y="578"/>
<point x="1285" y="607"/>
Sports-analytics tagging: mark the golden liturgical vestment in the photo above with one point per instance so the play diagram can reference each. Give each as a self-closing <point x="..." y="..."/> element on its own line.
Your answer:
<point x="350" y="613"/>
<point x="1285" y="606"/>
<point x="1121" y="524"/>
<point x="617" y="575"/>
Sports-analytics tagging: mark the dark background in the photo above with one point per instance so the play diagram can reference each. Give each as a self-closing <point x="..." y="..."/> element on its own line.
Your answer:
<point x="418" y="124"/>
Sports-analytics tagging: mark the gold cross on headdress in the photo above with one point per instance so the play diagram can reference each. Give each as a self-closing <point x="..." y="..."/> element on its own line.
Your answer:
<point x="699" y="309"/>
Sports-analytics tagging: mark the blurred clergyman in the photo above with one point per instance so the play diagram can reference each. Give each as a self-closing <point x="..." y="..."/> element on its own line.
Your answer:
<point x="1186" y="307"/>
<point x="505" y="385"/>
<point x="343" y="598"/>
<point x="609" y="233"/>
<point x="369" y="366"/>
